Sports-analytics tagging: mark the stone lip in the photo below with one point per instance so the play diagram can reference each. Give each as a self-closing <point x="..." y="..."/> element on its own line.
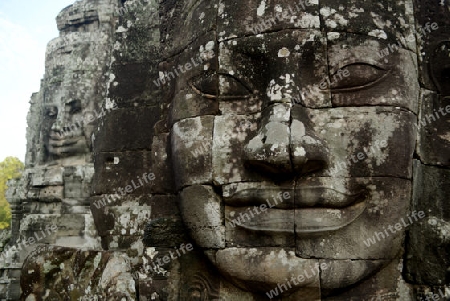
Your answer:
<point x="304" y="221"/>
<point x="315" y="195"/>
<point x="62" y="142"/>
<point x="312" y="208"/>
<point x="320" y="220"/>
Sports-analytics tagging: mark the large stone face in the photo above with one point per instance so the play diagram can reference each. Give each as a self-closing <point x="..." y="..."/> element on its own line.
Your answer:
<point x="239" y="150"/>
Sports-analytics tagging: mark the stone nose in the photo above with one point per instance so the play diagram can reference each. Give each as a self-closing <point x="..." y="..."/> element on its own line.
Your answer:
<point x="62" y="118"/>
<point x="57" y="125"/>
<point x="309" y="153"/>
<point x="284" y="145"/>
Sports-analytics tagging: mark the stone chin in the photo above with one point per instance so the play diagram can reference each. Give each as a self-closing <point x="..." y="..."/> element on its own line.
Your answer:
<point x="260" y="269"/>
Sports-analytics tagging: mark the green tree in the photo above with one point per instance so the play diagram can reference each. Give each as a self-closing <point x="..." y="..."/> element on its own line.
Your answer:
<point x="10" y="168"/>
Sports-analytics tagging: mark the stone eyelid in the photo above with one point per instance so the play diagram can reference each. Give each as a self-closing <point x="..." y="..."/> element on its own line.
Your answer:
<point x="334" y="86"/>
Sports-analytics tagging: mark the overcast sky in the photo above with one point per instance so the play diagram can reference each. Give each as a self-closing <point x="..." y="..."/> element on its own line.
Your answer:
<point x="26" y="26"/>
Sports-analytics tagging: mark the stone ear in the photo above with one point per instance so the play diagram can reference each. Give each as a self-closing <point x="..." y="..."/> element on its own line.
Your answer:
<point x="440" y="67"/>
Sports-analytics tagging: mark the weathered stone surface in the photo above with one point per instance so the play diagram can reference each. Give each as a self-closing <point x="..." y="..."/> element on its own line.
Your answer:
<point x="254" y="17"/>
<point x="386" y="20"/>
<point x="55" y="188"/>
<point x="273" y="228"/>
<point x="140" y="122"/>
<point x="198" y="279"/>
<point x="137" y="38"/>
<point x="434" y="28"/>
<point x="387" y="283"/>
<point x="196" y="17"/>
<point x="231" y="105"/>
<point x="358" y="142"/>
<point x="434" y="129"/>
<point x="164" y="232"/>
<point x="231" y="133"/>
<point x="256" y="270"/>
<point x="271" y="73"/>
<point x="161" y="159"/>
<point x="181" y="84"/>
<point x="118" y="170"/>
<point x="119" y="216"/>
<point x="203" y="213"/>
<point x="55" y="273"/>
<point x="438" y="293"/>
<point x="47" y="176"/>
<point x="427" y="263"/>
<point x="191" y="151"/>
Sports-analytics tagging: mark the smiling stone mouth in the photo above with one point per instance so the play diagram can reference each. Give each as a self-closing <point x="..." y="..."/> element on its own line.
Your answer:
<point x="302" y="197"/>
<point x="62" y="143"/>
<point x="313" y="209"/>
<point x="298" y="221"/>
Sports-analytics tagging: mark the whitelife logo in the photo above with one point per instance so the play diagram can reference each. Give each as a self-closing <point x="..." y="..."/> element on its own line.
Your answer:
<point x="293" y="281"/>
<point x="207" y="53"/>
<point x="156" y="267"/>
<point x="243" y="217"/>
<point x="398" y="227"/>
<point x="49" y="230"/>
<point x="147" y="178"/>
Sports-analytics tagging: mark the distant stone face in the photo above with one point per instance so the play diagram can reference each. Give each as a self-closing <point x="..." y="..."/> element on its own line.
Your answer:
<point x="73" y="88"/>
<point x="241" y="150"/>
<point x="56" y="184"/>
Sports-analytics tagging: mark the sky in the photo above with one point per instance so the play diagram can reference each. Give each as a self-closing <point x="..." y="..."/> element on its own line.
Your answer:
<point x="26" y="26"/>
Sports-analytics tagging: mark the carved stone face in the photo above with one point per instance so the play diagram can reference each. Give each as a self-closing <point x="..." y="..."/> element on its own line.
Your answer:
<point x="66" y="134"/>
<point x="293" y="147"/>
<point x="70" y="98"/>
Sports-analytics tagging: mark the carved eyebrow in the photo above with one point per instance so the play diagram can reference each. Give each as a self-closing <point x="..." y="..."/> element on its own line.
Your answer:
<point x="51" y="105"/>
<point x="209" y="96"/>
<point x="73" y="101"/>
<point x="216" y="77"/>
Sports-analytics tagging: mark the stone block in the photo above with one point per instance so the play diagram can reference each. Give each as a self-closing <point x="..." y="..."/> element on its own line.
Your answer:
<point x="427" y="263"/>
<point x="434" y="129"/>
<point x="116" y="173"/>
<point x="203" y="214"/>
<point x="191" y="151"/>
<point x="92" y="274"/>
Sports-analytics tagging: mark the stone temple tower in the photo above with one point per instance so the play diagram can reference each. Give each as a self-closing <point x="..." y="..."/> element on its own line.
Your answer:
<point x="56" y="184"/>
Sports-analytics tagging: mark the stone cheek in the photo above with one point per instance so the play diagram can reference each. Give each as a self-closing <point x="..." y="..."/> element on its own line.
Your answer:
<point x="191" y="147"/>
<point x="228" y="152"/>
<point x="202" y="212"/>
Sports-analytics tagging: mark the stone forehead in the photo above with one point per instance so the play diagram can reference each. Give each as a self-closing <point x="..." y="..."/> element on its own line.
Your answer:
<point x="385" y="20"/>
<point x="333" y="15"/>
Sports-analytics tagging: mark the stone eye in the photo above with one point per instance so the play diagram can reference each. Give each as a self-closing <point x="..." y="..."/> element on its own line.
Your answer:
<point x="206" y="85"/>
<point x="75" y="106"/>
<point x="52" y="111"/>
<point x="356" y="76"/>
<point x="233" y="88"/>
<point x="220" y="86"/>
